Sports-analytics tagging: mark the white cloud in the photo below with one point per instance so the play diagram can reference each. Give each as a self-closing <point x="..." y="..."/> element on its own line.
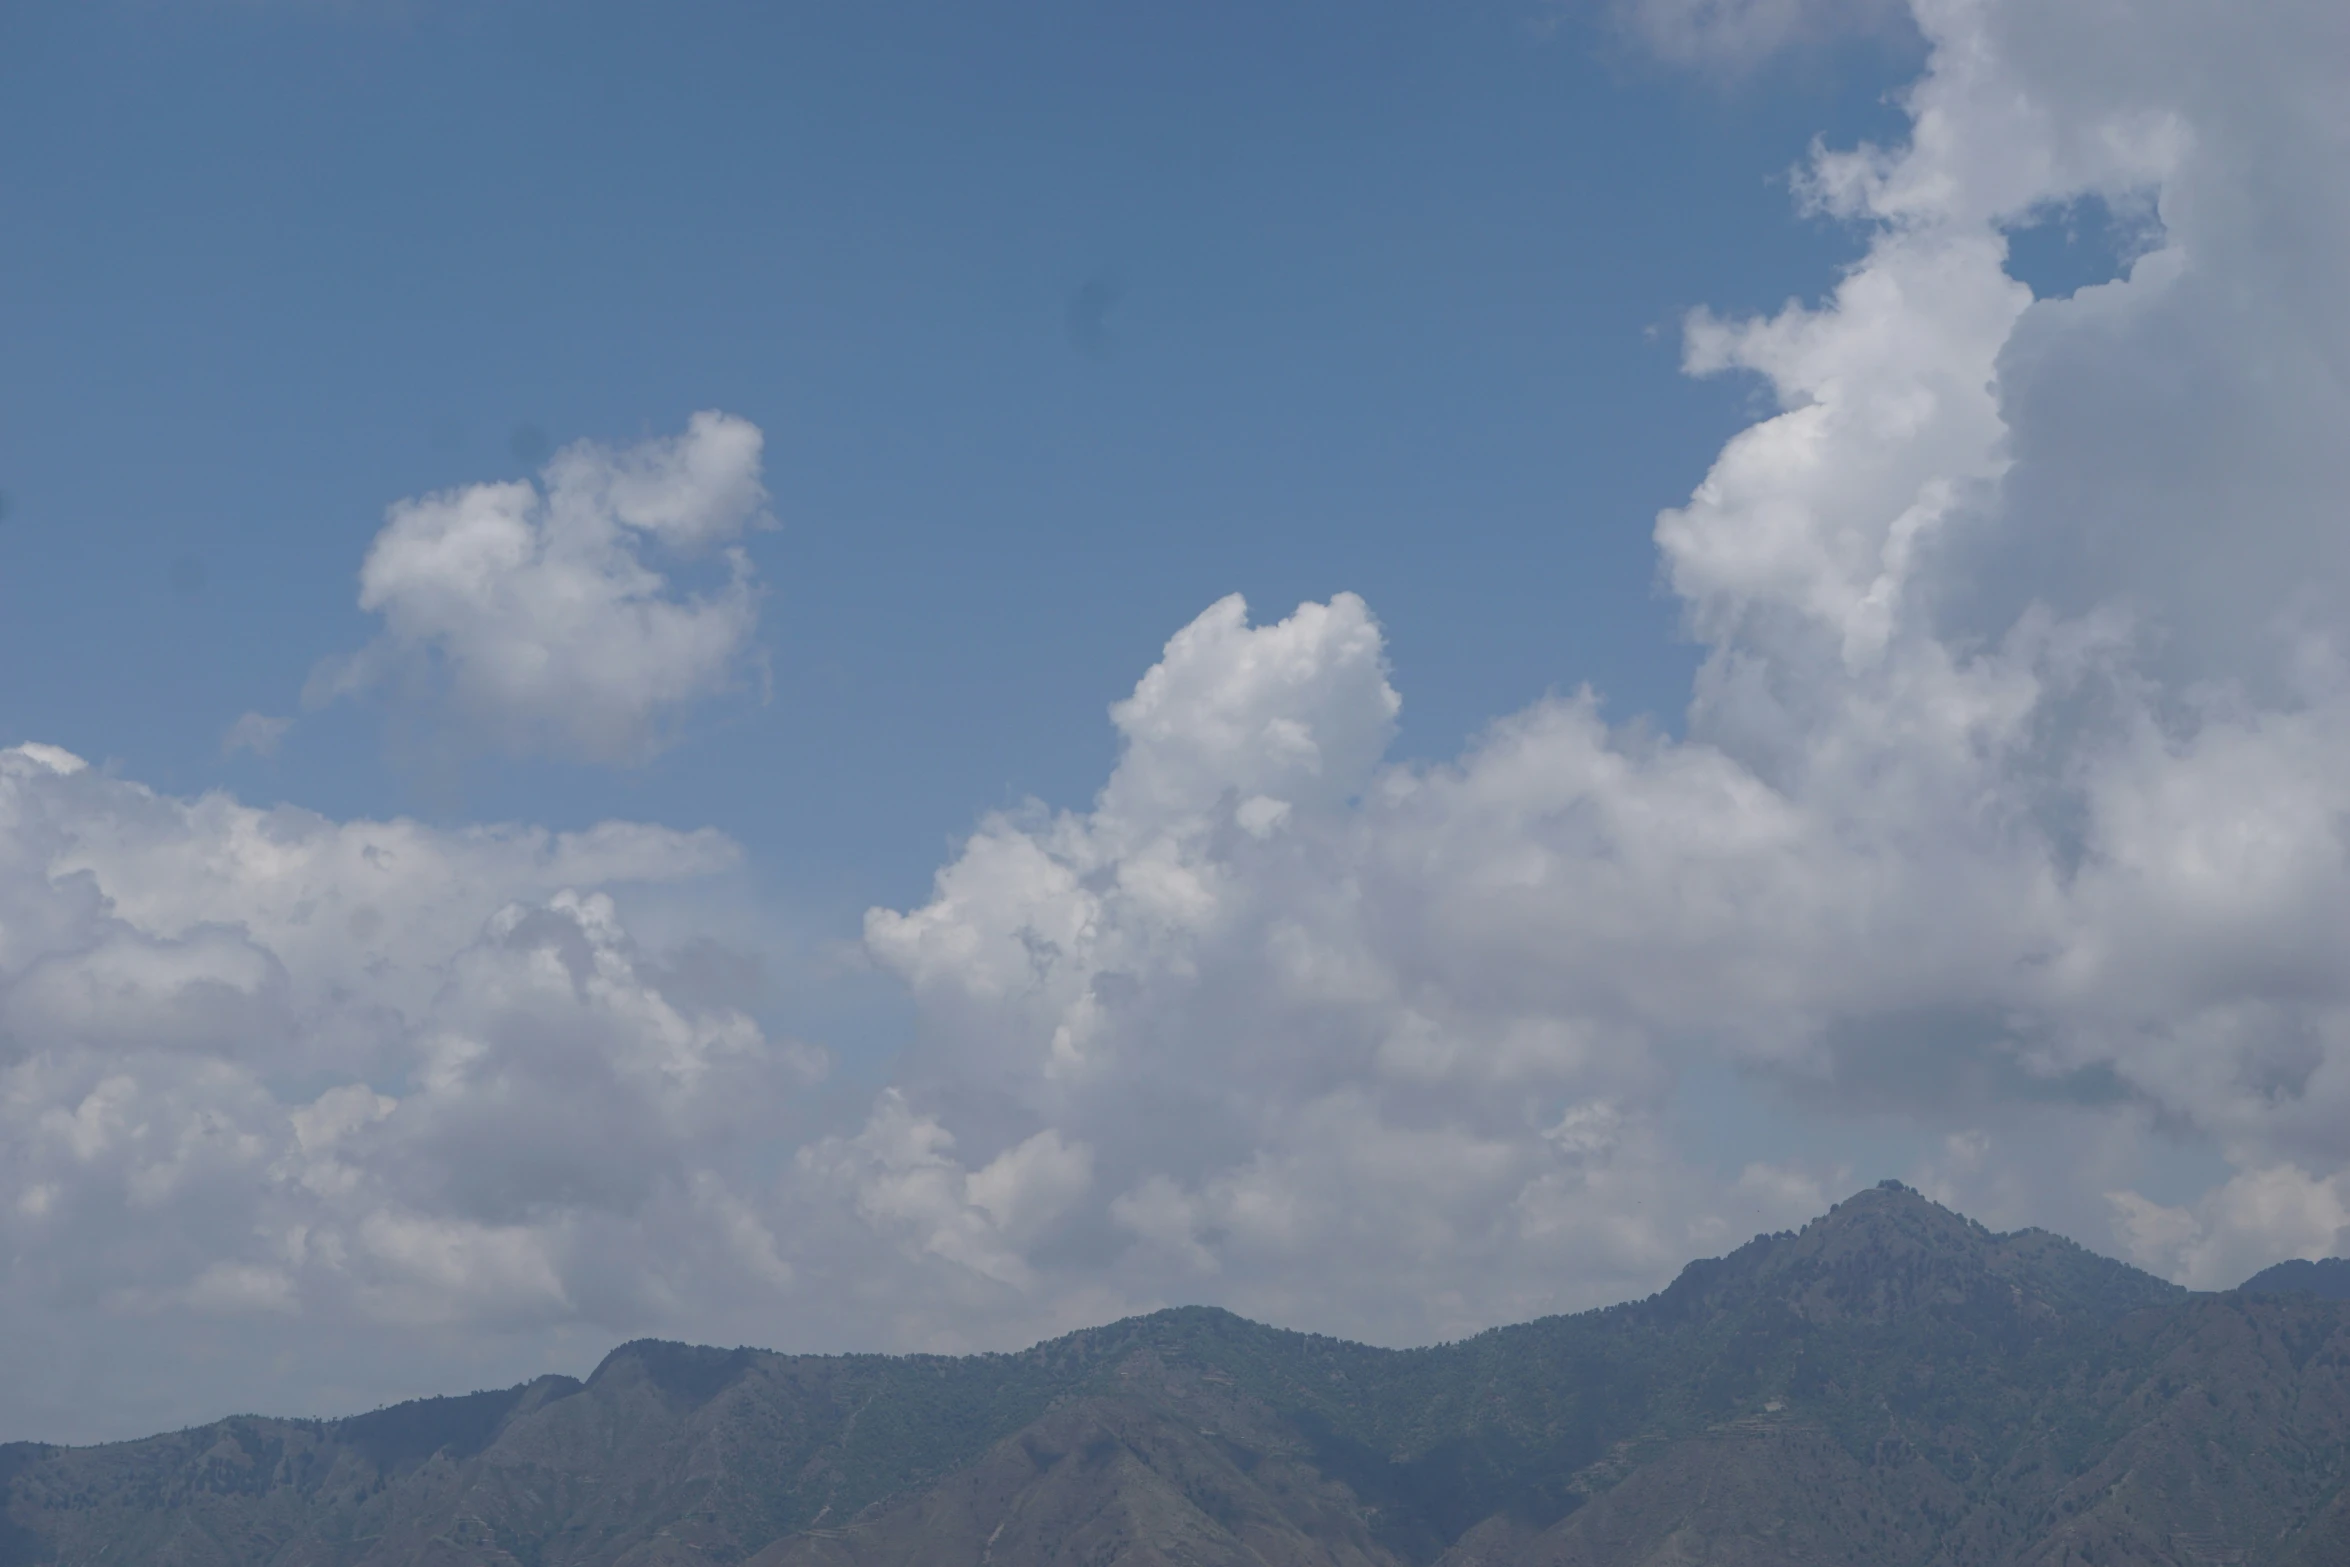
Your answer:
<point x="534" y="612"/>
<point x="2257" y="1217"/>
<point x="311" y="1075"/>
<point x="2011" y="797"/>
<point x="901" y="1175"/>
<point x="1357" y="1064"/>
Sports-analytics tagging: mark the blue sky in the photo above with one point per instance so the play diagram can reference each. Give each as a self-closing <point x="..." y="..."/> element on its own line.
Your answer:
<point x="1061" y="322"/>
<point x="628" y="704"/>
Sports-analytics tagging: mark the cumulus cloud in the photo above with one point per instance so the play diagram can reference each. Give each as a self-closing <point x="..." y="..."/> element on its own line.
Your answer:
<point x="256" y="1065"/>
<point x="1336" y="1038"/>
<point x="537" y="613"/>
<point x="2010" y="798"/>
<point x="2239" y="1227"/>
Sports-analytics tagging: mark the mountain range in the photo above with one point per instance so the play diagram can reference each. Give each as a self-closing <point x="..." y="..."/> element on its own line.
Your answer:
<point x="1894" y="1384"/>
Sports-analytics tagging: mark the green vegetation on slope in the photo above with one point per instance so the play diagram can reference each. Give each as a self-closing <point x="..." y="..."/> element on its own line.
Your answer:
<point x="1894" y="1378"/>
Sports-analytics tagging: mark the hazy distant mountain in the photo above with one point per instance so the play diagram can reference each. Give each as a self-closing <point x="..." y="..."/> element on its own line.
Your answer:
<point x="1893" y="1385"/>
<point x="2328" y="1280"/>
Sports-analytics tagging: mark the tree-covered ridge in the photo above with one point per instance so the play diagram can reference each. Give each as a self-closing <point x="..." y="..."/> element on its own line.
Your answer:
<point x="2328" y="1279"/>
<point x="1892" y="1377"/>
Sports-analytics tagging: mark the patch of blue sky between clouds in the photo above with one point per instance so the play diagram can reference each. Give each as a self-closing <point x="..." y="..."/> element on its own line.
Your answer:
<point x="2088" y="240"/>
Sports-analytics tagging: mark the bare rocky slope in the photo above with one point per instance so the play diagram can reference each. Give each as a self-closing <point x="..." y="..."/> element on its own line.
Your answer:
<point x="1893" y="1385"/>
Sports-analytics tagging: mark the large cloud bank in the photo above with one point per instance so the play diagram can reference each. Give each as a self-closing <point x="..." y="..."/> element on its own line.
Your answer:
<point x="2010" y="806"/>
<point x="266" y="1070"/>
<point x="2012" y="796"/>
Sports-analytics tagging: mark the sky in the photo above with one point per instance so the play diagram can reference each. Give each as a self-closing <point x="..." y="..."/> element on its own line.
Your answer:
<point x="902" y="677"/>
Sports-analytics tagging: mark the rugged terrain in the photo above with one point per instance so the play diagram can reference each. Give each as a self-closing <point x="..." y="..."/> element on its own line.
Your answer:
<point x="1893" y="1385"/>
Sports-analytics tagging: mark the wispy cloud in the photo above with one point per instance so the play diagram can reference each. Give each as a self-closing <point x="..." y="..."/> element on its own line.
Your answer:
<point x="255" y="732"/>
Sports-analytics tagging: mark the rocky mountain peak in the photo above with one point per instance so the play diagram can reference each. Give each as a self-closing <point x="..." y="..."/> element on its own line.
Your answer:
<point x="1890" y="1252"/>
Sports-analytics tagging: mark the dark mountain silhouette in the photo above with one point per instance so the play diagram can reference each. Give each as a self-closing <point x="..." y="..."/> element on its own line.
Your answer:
<point x="2327" y="1280"/>
<point x="1892" y="1385"/>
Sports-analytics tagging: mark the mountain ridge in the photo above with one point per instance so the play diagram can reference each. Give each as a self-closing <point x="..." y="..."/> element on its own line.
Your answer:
<point x="2328" y="1278"/>
<point x="1893" y="1379"/>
